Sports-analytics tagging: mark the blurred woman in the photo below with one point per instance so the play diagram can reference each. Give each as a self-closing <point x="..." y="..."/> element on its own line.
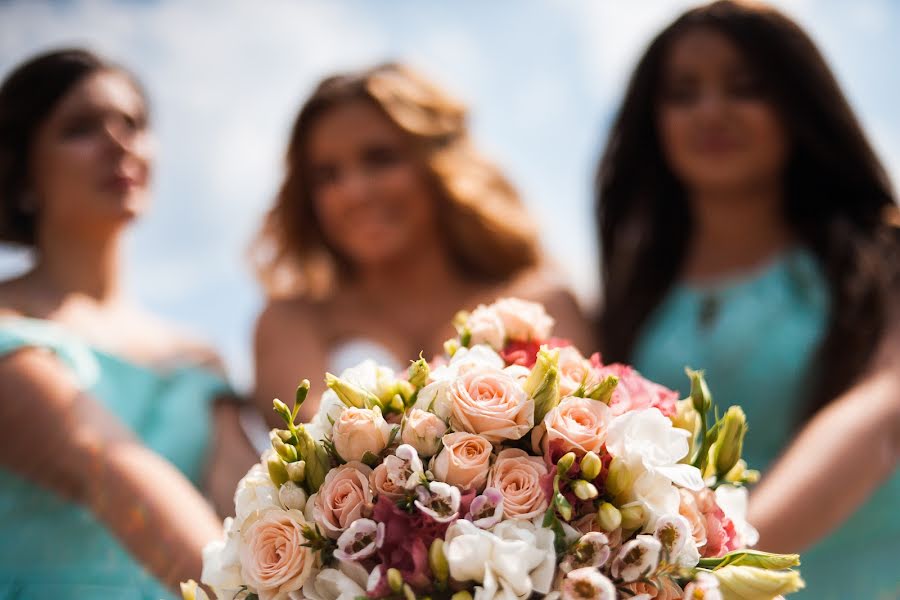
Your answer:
<point x="107" y="411"/>
<point x="387" y="222"/>
<point x="748" y="229"/>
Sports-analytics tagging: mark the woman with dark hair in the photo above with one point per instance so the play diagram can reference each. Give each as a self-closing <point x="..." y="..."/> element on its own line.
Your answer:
<point x="388" y="221"/>
<point x="108" y="414"/>
<point x="747" y="228"/>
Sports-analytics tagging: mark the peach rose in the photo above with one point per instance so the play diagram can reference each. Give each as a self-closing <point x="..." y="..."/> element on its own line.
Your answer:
<point x="344" y="497"/>
<point x="518" y="478"/>
<point x="360" y="430"/>
<point x="486" y="327"/>
<point x="423" y="431"/>
<point x="274" y="561"/>
<point x="382" y="484"/>
<point x="574" y="371"/>
<point x="523" y="320"/>
<point x="464" y="461"/>
<point x="576" y="425"/>
<point x="490" y="403"/>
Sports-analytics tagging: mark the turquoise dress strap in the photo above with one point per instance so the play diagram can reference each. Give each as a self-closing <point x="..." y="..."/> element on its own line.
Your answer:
<point x="54" y="548"/>
<point x="757" y="336"/>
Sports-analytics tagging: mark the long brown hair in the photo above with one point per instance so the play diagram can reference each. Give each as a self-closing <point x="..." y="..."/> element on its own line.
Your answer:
<point x="485" y="226"/>
<point x="836" y="193"/>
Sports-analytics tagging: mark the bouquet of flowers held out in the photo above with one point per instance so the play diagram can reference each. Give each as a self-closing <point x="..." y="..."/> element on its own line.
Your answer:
<point x="511" y="467"/>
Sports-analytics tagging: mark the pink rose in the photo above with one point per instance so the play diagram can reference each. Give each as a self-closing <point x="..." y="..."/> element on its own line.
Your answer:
<point x="423" y="431"/>
<point x="486" y="327"/>
<point x="360" y="430"/>
<point x="383" y="486"/>
<point x="576" y="425"/>
<point x="344" y="497"/>
<point x="574" y="371"/>
<point x="635" y="393"/>
<point x="490" y="403"/>
<point x="703" y="512"/>
<point x="523" y="321"/>
<point x="464" y="461"/>
<point x="273" y="559"/>
<point x="518" y="478"/>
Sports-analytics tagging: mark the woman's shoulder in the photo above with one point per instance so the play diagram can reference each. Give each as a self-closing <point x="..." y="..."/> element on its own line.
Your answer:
<point x="288" y="318"/>
<point x="160" y="343"/>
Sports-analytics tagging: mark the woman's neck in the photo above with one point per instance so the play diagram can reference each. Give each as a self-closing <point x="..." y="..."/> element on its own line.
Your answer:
<point x="734" y="231"/>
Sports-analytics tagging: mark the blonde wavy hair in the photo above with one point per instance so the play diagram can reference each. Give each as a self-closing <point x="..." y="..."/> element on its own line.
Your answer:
<point x="485" y="225"/>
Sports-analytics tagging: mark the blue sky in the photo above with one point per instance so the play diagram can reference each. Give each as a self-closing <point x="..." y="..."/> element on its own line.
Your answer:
<point x="543" y="78"/>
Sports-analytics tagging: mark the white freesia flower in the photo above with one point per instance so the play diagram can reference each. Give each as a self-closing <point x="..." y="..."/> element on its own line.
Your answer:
<point x="674" y="533"/>
<point x="650" y="447"/>
<point x="637" y="558"/>
<point x="222" y="563"/>
<point x="515" y="560"/>
<point x="347" y="582"/>
<point x="733" y="502"/>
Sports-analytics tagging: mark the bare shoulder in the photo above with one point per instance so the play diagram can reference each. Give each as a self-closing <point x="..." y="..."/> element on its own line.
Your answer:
<point x="289" y="318"/>
<point x="166" y="343"/>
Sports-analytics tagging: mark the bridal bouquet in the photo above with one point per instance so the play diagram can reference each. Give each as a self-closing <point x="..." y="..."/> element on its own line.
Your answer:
<point x="514" y="466"/>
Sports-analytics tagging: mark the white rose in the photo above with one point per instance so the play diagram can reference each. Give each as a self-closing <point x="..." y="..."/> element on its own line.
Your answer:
<point x="486" y="327"/>
<point x="523" y="320"/>
<point x="255" y="494"/>
<point x="222" y="563"/>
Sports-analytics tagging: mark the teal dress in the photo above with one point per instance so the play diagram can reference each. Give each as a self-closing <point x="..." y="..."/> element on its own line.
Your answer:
<point x="756" y="337"/>
<point x="52" y="548"/>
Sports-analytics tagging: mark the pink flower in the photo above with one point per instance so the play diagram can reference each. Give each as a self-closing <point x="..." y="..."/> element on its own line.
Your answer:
<point x="517" y="476"/>
<point x="635" y="393"/>
<point x="574" y="371"/>
<point x="667" y="590"/>
<point x="713" y="532"/>
<point x="344" y="497"/>
<point x="464" y="460"/>
<point x="523" y="320"/>
<point x="490" y="403"/>
<point x="358" y="431"/>
<point x="423" y="431"/>
<point x="576" y="425"/>
<point x="383" y="485"/>
<point x="273" y="558"/>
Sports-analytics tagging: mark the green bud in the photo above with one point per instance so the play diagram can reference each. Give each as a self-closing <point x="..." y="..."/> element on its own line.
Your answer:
<point x="591" y="465"/>
<point x="752" y="558"/>
<point x="700" y="396"/>
<point x="318" y="463"/>
<point x="726" y="450"/>
<point x="608" y="517"/>
<point x="397" y="405"/>
<point x="277" y="470"/>
<point x="451" y="346"/>
<point x="285" y="451"/>
<point x="395" y="580"/>
<point x="687" y="418"/>
<point x="619" y="478"/>
<point x="753" y="583"/>
<point x="565" y="463"/>
<point x="283" y="434"/>
<point x="543" y="383"/>
<point x="603" y="391"/>
<point x="739" y="473"/>
<point x="440" y="568"/>
<point x="296" y="471"/>
<point x="633" y="517"/>
<point x="419" y="372"/>
<point x="301" y="393"/>
<point x="282" y="410"/>
<point x="408" y="593"/>
<point x="584" y="490"/>
<point x="463" y="595"/>
<point x="351" y="395"/>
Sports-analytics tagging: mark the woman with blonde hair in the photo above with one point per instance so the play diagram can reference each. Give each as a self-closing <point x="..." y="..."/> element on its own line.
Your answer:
<point x="388" y="220"/>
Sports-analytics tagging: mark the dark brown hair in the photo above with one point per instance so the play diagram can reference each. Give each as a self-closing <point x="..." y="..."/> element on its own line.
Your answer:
<point x="27" y="97"/>
<point x="836" y="193"/>
<point x="484" y="223"/>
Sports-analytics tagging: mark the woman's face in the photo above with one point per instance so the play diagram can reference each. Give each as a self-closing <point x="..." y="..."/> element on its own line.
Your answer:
<point x="718" y="131"/>
<point x="370" y="193"/>
<point x="90" y="160"/>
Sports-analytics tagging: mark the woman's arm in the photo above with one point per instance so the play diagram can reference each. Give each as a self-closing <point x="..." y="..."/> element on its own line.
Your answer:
<point x="836" y="463"/>
<point x="232" y="456"/>
<point x="67" y="442"/>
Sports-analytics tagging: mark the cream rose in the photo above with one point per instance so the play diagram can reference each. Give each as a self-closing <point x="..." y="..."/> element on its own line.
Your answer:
<point x="523" y="320"/>
<point x="274" y="561"/>
<point x="344" y="497"/>
<point x="486" y="327"/>
<point x="382" y="484"/>
<point x="490" y="403"/>
<point x="464" y="461"/>
<point x="574" y="371"/>
<point x="360" y="430"/>
<point x="518" y="478"/>
<point x="423" y="431"/>
<point x="576" y="425"/>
